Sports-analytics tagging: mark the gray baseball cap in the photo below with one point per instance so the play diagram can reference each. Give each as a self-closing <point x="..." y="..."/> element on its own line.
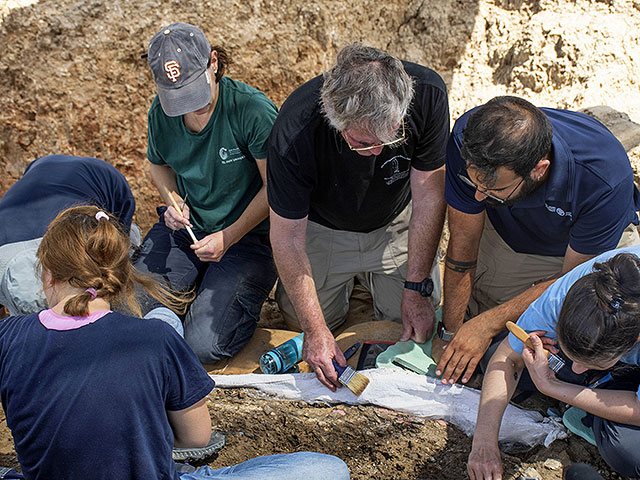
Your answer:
<point x="178" y="57"/>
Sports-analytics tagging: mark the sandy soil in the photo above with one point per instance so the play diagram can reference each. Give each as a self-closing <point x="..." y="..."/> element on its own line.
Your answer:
<point x="74" y="83"/>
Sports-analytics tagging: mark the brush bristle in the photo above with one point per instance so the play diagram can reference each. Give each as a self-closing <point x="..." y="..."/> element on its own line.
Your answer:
<point x="354" y="381"/>
<point x="555" y="362"/>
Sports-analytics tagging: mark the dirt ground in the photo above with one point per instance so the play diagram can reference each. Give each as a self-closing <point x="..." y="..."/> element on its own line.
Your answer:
<point x="74" y="82"/>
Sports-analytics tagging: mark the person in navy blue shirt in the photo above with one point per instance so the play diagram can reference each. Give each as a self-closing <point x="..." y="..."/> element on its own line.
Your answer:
<point x="49" y="185"/>
<point x="531" y="193"/>
<point x="92" y="393"/>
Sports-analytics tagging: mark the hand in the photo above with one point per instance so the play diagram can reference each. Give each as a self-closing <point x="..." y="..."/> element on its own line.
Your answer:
<point x="174" y="220"/>
<point x="211" y="248"/>
<point x="418" y="317"/>
<point x="464" y="351"/>
<point x="536" y="362"/>
<point x="484" y="463"/>
<point x="318" y="349"/>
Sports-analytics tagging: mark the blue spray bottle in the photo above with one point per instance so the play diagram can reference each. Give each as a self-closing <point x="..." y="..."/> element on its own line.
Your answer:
<point x="283" y="357"/>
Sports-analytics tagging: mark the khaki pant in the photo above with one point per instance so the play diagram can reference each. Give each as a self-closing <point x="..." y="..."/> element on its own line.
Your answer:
<point x="503" y="274"/>
<point x="377" y="259"/>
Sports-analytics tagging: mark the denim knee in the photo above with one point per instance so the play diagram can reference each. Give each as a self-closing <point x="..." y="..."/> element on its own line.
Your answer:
<point x="618" y="446"/>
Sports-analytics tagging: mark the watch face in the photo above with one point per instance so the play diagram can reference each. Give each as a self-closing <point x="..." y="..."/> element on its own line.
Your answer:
<point x="443" y="334"/>
<point x="427" y="287"/>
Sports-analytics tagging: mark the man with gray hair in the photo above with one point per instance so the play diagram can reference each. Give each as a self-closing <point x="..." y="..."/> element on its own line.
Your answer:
<point x="356" y="191"/>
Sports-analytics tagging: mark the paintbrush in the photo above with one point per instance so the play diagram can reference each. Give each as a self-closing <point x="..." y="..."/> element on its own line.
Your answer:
<point x="347" y="376"/>
<point x="179" y="210"/>
<point x="555" y="362"/>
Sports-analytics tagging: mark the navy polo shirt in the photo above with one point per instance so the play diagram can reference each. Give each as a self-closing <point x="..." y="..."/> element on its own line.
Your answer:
<point x="586" y="202"/>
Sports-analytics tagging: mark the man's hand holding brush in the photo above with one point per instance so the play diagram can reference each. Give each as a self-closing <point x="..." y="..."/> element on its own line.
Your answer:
<point x="318" y="350"/>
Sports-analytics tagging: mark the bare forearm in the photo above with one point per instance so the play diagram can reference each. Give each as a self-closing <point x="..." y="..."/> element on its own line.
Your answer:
<point x="497" y="318"/>
<point x="615" y="405"/>
<point x="164" y="178"/>
<point x="294" y="270"/>
<point x="256" y="212"/>
<point x="465" y="231"/>
<point x="457" y="291"/>
<point x="425" y="226"/>
<point x="499" y="383"/>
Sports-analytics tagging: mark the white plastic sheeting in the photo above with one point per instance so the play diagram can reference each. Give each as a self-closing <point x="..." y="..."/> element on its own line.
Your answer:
<point x="408" y="392"/>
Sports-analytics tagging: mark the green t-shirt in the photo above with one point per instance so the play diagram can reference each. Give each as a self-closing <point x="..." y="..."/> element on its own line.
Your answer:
<point x="216" y="167"/>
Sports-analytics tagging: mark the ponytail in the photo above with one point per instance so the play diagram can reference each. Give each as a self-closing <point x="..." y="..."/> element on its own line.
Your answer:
<point x="89" y="249"/>
<point x="600" y="317"/>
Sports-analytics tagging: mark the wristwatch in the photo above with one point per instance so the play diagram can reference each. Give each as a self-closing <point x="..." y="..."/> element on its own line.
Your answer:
<point x="444" y="334"/>
<point x="425" y="287"/>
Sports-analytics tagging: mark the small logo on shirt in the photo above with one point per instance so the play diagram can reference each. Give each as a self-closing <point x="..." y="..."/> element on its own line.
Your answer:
<point x="396" y="172"/>
<point x="558" y="211"/>
<point x="230" y="155"/>
<point x="173" y="70"/>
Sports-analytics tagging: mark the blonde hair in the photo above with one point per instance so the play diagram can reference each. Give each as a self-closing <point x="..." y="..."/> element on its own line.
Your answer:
<point x="89" y="251"/>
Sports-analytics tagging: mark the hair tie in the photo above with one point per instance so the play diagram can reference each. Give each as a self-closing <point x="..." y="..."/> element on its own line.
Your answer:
<point x="100" y="215"/>
<point x="92" y="291"/>
<point x="616" y="303"/>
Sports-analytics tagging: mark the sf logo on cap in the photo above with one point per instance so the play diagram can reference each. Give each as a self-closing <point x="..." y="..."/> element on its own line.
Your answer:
<point x="173" y="70"/>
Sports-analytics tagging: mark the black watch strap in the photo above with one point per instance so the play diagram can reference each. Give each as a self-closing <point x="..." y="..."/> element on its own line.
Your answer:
<point x="425" y="287"/>
<point x="444" y="334"/>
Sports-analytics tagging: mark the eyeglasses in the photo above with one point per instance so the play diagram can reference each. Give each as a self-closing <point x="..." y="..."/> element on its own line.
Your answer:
<point x="373" y="147"/>
<point x="485" y="193"/>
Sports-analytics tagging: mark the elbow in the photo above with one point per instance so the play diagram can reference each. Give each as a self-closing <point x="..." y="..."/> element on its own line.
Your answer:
<point x="196" y="439"/>
<point x="203" y="439"/>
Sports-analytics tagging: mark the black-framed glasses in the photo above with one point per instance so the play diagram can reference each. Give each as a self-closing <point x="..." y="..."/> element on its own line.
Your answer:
<point x="487" y="194"/>
<point x="373" y="147"/>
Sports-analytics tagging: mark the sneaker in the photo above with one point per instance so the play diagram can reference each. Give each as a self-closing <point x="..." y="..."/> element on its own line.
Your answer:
<point x="216" y="442"/>
<point x="572" y="419"/>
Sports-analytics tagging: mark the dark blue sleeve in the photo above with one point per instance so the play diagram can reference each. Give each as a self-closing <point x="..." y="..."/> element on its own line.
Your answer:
<point x="121" y="201"/>
<point x="188" y="382"/>
<point x="458" y="194"/>
<point x="602" y="220"/>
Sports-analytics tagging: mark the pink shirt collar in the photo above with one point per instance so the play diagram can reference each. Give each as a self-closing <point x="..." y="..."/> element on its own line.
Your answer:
<point x="53" y="321"/>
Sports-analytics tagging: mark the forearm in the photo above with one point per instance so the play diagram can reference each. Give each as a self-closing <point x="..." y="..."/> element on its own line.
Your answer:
<point x="294" y="271"/>
<point x="615" y="405"/>
<point x="495" y="320"/>
<point x="465" y="232"/>
<point x="500" y="381"/>
<point x="425" y="226"/>
<point x="164" y="178"/>
<point x="256" y="212"/>
<point x="457" y="292"/>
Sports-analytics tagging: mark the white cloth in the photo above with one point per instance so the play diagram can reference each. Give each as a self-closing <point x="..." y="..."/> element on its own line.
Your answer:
<point x="408" y="392"/>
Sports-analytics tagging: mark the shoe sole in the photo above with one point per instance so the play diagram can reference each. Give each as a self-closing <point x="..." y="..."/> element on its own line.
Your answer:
<point x="216" y="443"/>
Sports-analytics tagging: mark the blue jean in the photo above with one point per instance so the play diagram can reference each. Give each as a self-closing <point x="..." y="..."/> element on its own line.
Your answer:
<point x="617" y="442"/>
<point x="230" y="293"/>
<point x="291" y="466"/>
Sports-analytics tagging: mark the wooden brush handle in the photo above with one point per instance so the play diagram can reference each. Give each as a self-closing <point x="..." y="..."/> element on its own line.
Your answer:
<point x="173" y="201"/>
<point x="522" y="336"/>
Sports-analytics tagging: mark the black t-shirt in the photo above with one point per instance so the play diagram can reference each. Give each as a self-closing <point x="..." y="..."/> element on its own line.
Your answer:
<point x="311" y="170"/>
